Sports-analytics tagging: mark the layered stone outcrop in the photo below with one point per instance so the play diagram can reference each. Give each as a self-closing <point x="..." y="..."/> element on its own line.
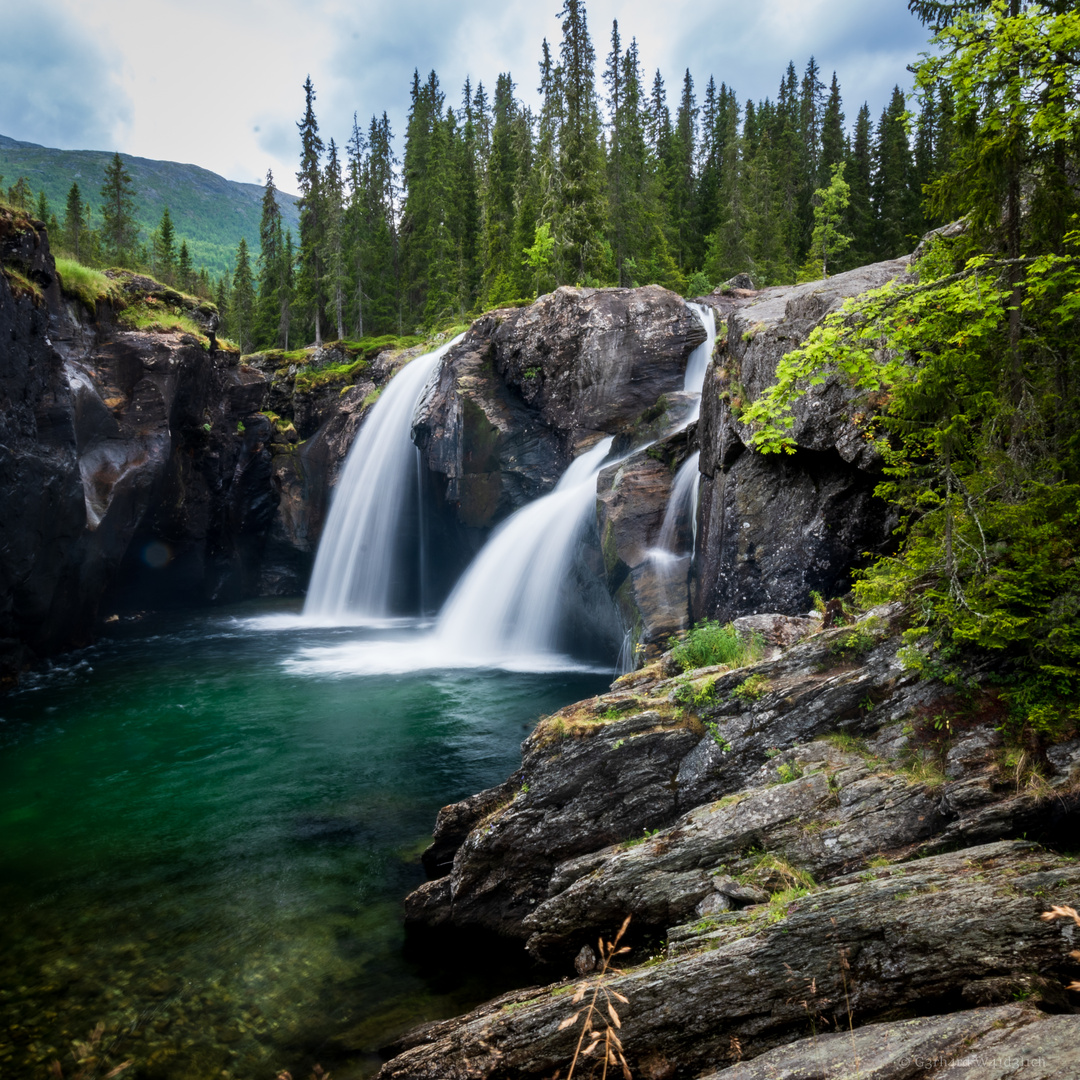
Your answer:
<point x="961" y="928"/>
<point x="819" y="841"/>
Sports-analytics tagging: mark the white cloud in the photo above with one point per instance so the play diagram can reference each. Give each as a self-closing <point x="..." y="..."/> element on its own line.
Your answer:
<point x="219" y="82"/>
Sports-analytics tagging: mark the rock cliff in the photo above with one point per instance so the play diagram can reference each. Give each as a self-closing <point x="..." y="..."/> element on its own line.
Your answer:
<point x="116" y="444"/>
<point x="775" y="527"/>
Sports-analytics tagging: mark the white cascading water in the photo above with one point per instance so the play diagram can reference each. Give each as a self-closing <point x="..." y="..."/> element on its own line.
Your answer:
<point x="509" y="601"/>
<point x="360" y="555"/>
<point x="698" y="362"/>
<point x="683" y="498"/>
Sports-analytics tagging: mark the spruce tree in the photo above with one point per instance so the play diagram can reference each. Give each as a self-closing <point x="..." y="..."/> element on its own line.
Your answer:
<point x="20" y="194"/>
<point x="895" y="205"/>
<point x="860" y="214"/>
<point x="242" y="301"/>
<point x="579" y="220"/>
<point x="833" y="148"/>
<point x="165" y="249"/>
<point x="502" y="170"/>
<point x="74" y="223"/>
<point x="310" y="286"/>
<point x="270" y="268"/>
<point x="119" y="232"/>
<point x="184" y="278"/>
<point x="335" y="275"/>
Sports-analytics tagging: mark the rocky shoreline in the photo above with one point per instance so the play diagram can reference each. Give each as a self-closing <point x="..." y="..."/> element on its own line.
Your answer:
<point x="820" y="842"/>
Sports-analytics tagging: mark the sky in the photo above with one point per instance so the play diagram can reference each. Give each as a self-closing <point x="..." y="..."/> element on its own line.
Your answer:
<point x="219" y="83"/>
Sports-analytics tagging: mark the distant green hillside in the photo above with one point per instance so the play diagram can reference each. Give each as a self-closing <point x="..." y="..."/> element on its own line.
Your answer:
<point x="207" y="210"/>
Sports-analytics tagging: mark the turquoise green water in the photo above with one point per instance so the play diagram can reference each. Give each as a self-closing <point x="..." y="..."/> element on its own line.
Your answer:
<point x="205" y="849"/>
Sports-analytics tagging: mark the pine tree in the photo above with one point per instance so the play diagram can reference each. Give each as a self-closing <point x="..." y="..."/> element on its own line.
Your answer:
<point x="860" y="219"/>
<point x="74" y="223"/>
<point x="270" y="268"/>
<point x="221" y="301"/>
<point x="833" y="148"/>
<point x="242" y="301"/>
<point x="119" y="232"/>
<point x="679" y="179"/>
<point x="579" y="220"/>
<point x="502" y="174"/>
<point x="42" y="209"/>
<point x="183" y="270"/>
<point x="20" y="194"/>
<point x="165" y="249"/>
<point x="288" y="289"/>
<point x="895" y="206"/>
<point x="335" y="276"/>
<point x="310" y="286"/>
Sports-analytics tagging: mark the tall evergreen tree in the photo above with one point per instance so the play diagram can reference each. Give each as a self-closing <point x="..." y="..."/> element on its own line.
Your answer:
<point x="74" y="221"/>
<point x="165" y="248"/>
<point x="833" y="143"/>
<point x="579" y="219"/>
<point x="336" y="284"/>
<point x="242" y="300"/>
<point x="860" y="220"/>
<point x="502" y="175"/>
<point x="895" y="205"/>
<point x="184" y="277"/>
<point x="119" y="232"/>
<point x="310" y="286"/>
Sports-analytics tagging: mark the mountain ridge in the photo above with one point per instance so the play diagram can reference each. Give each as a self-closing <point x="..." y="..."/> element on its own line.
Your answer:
<point x="208" y="211"/>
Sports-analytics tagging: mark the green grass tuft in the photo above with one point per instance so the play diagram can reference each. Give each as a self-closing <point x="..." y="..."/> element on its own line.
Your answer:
<point x="709" y="643"/>
<point x="87" y="285"/>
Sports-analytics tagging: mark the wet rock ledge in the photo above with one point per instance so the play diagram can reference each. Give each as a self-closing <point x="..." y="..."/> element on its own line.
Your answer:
<point x="832" y="868"/>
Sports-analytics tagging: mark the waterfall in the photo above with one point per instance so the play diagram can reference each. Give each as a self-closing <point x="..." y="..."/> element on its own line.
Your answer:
<point x="698" y="362"/>
<point x="683" y="498"/>
<point x="363" y="560"/>
<point x="509" y="601"/>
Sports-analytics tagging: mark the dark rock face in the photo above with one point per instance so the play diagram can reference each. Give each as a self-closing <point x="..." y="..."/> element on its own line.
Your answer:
<point x="122" y="458"/>
<point x="773" y="528"/>
<point x="528" y="388"/>
<point x="484" y="446"/>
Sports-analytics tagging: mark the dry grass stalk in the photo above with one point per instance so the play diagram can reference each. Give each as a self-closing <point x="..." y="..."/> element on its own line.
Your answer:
<point x="605" y="1040"/>
<point x="1056" y="912"/>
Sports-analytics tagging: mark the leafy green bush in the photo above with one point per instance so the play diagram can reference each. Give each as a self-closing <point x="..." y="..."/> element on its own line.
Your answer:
<point x="757" y="686"/>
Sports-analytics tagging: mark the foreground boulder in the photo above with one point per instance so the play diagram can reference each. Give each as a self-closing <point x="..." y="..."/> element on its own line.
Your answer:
<point x="815" y="841"/>
<point x="962" y="927"/>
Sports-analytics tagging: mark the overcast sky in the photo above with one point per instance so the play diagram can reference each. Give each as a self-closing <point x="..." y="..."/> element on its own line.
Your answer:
<point x="220" y="82"/>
